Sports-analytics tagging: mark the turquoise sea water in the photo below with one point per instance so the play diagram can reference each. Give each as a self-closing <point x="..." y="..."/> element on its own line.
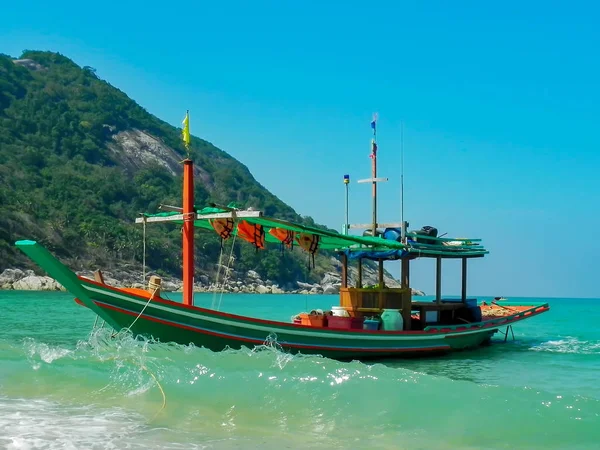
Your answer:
<point x="62" y="388"/>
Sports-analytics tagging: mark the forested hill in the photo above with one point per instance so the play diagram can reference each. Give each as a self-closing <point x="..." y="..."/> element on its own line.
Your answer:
<point x="79" y="160"/>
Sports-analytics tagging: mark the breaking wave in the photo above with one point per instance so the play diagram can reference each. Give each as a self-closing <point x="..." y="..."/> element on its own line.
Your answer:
<point x="569" y="344"/>
<point x="121" y="392"/>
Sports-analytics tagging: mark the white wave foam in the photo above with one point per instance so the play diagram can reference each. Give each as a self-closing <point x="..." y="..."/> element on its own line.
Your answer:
<point x="44" y="352"/>
<point x="40" y="424"/>
<point x="569" y="344"/>
<point x="272" y="345"/>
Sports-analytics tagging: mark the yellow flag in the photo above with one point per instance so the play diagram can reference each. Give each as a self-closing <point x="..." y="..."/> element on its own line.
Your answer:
<point x="186" y="130"/>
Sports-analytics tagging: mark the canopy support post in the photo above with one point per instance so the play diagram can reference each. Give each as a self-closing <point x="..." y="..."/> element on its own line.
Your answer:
<point x="359" y="280"/>
<point x="406" y="293"/>
<point x="344" y="270"/>
<point x="438" y="279"/>
<point x="188" y="232"/>
<point x="405" y="274"/>
<point x="464" y="281"/>
<point x="380" y="274"/>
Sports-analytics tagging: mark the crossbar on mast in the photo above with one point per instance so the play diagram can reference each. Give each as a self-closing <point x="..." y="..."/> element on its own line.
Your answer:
<point x="170" y="208"/>
<point x="373" y="180"/>
<point x="223" y="215"/>
<point x="369" y="225"/>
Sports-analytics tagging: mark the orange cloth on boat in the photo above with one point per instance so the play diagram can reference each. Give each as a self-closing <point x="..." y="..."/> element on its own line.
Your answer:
<point x="253" y="233"/>
<point x="223" y="227"/>
<point x="309" y="242"/>
<point x="285" y="236"/>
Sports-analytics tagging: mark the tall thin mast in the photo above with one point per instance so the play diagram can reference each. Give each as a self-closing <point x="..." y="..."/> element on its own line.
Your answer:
<point x="374" y="180"/>
<point x="346" y="223"/>
<point x="374" y="171"/>
<point x="402" y="180"/>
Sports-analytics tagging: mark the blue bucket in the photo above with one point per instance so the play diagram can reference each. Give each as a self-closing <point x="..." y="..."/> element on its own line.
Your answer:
<point x="372" y="325"/>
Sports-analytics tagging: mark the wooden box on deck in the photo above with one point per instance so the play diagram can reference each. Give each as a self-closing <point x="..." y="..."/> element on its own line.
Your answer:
<point x="360" y="302"/>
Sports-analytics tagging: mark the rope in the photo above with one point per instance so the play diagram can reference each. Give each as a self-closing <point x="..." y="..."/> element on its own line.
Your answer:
<point x="160" y="388"/>
<point x="143" y="309"/>
<point x="162" y="391"/>
<point x="164" y="403"/>
<point x="214" y="299"/>
<point x="227" y="271"/>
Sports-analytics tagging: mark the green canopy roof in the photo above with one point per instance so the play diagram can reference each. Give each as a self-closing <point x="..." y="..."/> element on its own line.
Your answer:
<point x="328" y="239"/>
<point x="333" y="240"/>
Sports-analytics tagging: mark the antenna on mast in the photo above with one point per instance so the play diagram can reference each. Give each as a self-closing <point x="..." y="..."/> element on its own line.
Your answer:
<point x="404" y="224"/>
<point x="374" y="179"/>
<point x="346" y="223"/>
<point x="402" y="176"/>
<point x="374" y="171"/>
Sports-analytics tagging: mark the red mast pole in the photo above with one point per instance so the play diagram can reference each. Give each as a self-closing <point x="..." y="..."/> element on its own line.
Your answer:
<point x="188" y="232"/>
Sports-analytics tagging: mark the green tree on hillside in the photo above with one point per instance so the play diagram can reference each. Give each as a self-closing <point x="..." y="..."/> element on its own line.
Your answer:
<point x="63" y="184"/>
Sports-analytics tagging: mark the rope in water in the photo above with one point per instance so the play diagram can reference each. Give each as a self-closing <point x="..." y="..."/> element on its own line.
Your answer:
<point x="156" y="288"/>
<point x="160" y="388"/>
<point x="164" y="403"/>
<point x="142" y="366"/>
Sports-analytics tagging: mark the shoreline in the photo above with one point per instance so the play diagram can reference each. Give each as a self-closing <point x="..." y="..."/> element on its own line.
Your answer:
<point x="248" y="283"/>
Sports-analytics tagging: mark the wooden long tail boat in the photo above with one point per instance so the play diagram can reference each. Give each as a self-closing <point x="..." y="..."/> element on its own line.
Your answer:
<point x="422" y="328"/>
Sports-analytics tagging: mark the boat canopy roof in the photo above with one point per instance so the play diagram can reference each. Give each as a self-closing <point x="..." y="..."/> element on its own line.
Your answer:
<point x="252" y="226"/>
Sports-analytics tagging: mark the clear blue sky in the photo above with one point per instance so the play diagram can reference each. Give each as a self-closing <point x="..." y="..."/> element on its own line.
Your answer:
<point x="500" y="105"/>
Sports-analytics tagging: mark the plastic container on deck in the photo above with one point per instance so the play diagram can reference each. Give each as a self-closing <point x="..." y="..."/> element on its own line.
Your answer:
<point x="476" y="312"/>
<point x="371" y="324"/>
<point x="348" y="323"/>
<point x="313" y="320"/>
<point x="393" y="234"/>
<point x="391" y="320"/>
<point x="339" y="311"/>
<point x="470" y="314"/>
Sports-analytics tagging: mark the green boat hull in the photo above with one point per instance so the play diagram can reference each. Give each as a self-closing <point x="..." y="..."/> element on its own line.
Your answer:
<point x="169" y="321"/>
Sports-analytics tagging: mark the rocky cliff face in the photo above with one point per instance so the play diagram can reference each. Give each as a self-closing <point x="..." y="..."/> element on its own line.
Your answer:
<point x="136" y="149"/>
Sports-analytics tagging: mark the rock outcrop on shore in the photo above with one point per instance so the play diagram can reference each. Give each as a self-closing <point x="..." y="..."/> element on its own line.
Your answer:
<point x="232" y="281"/>
<point x="27" y="280"/>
